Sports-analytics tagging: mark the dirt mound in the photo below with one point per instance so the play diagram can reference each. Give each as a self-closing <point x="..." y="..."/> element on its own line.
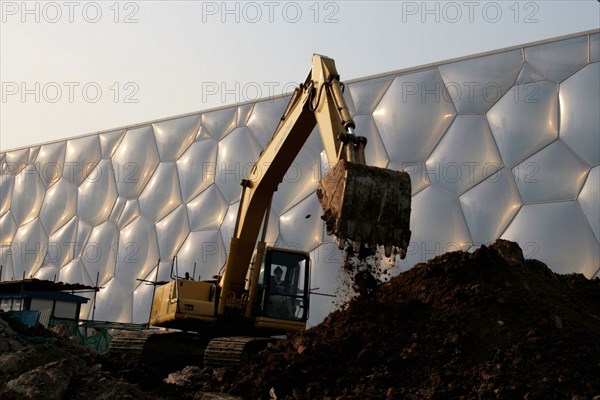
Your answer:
<point x="487" y="324"/>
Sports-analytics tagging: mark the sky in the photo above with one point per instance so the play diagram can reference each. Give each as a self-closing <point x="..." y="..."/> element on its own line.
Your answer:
<point x="69" y="68"/>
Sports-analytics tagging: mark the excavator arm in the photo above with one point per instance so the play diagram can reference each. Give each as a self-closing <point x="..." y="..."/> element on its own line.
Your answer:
<point x="359" y="202"/>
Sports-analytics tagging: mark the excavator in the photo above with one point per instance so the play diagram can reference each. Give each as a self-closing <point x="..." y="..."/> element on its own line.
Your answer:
<point x="262" y="291"/>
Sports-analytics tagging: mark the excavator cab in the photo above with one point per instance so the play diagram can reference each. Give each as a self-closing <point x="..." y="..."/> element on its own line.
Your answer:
<point x="283" y="289"/>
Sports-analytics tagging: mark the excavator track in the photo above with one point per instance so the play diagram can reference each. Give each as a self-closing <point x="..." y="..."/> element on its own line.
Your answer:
<point x="164" y="349"/>
<point x="234" y="350"/>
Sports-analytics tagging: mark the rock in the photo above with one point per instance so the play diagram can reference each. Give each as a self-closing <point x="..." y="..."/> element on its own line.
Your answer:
<point x="47" y="382"/>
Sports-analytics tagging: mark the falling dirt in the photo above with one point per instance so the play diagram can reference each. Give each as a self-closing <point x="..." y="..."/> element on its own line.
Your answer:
<point x="487" y="324"/>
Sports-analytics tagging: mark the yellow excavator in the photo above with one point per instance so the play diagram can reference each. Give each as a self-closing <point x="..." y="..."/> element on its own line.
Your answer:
<point x="264" y="291"/>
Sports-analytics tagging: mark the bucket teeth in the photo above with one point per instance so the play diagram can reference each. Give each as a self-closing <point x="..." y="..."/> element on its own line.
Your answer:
<point x="366" y="204"/>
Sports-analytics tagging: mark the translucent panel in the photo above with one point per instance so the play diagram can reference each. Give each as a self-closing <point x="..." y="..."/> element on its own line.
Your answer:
<point x="135" y="161"/>
<point x="465" y="156"/>
<point x="228" y="226"/>
<point x="6" y="187"/>
<point x="142" y="298"/>
<point x="579" y="121"/>
<point x="412" y="116"/>
<point x="244" y="112"/>
<point x="367" y="93"/>
<point x="29" y="247"/>
<point x="27" y="195"/>
<point x="490" y="206"/>
<point x="50" y="162"/>
<point x="33" y="152"/>
<point x="113" y="303"/>
<point x="571" y="248"/>
<point x="100" y="253"/>
<point x="207" y="210"/>
<point x="15" y="161"/>
<point x="237" y="154"/>
<point x="61" y="245"/>
<point x="59" y="205"/>
<point x="552" y="174"/>
<point x="476" y="84"/>
<point x="8" y="228"/>
<point x="589" y="200"/>
<point x="162" y="194"/>
<point x="74" y="272"/>
<point x="83" y="233"/>
<point x="6" y="258"/>
<point x="220" y="122"/>
<point x="375" y="153"/>
<point x="202" y="134"/>
<point x="97" y="194"/>
<point x="419" y="179"/>
<point x="532" y="109"/>
<point x="437" y="226"/>
<point x="558" y="60"/>
<point x="48" y="272"/>
<point x="301" y="227"/>
<point x="197" y="168"/>
<point x="171" y="231"/>
<point x="528" y="74"/>
<point x="205" y="248"/>
<point x="137" y="252"/>
<point x="595" y="47"/>
<point x="109" y="141"/>
<point x="265" y="117"/>
<point x="130" y="212"/>
<point x="81" y="158"/>
<point x="175" y="135"/>
<point x="117" y="209"/>
<point x="298" y="182"/>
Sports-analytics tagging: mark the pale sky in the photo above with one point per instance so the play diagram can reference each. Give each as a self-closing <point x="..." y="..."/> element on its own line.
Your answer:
<point x="76" y="67"/>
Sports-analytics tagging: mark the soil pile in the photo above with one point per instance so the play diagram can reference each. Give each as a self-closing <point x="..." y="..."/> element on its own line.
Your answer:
<point x="487" y="324"/>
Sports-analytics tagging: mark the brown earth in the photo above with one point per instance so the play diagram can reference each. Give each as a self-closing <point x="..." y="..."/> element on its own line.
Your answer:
<point x="487" y="324"/>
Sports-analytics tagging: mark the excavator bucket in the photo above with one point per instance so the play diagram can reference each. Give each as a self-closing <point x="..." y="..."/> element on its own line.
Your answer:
<point x="367" y="204"/>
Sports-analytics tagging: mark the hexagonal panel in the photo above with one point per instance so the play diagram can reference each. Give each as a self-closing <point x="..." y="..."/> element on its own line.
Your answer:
<point x="29" y="246"/>
<point x="142" y="298"/>
<point x="109" y="142"/>
<point x="265" y="117"/>
<point x="474" y="85"/>
<point x="437" y="226"/>
<point x="237" y="154"/>
<point x="207" y="210"/>
<point x="419" y="178"/>
<point x="552" y="174"/>
<point x="6" y="258"/>
<point x="61" y="245"/>
<point x="130" y="212"/>
<point x="595" y="47"/>
<point x="205" y="248"/>
<point x="134" y="161"/>
<point x="27" y="195"/>
<point x="530" y="108"/>
<point x="81" y="157"/>
<point x="227" y="228"/>
<point x="367" y="93"/>
<point x="162" y="194"/>
<point x="59" y="205"/>
<point x="138" y="251"/>
<point x="535" y="229"/>
<point x="197" y="168"/>
<point x="50" y="162"/>
<point x="589" y="200"/>
<point x="490" y="206"/>
<point x="15" y="161"/>
<point x="48" y="272"/>
<point x="171" y="231"/>
<point x="97" y="194"/>
<point x="301" y="227"/>
<point x="83" y="233"/>
<point x="465" y="156"/>
<point x="243" y="113"/>
<point x="579" y="122"/>
<point x="7" y="182"/>
<point x="8" y="228"/>
<point x="375" y="153"/>
<point x="219" y="123"/>
<point x="117" y="209"/>
<point x="100" y="253"/>
<point x="557" y="60"/>
<point x="74" y="272"/>
<point x="113" y="303"/>
<point x="174" y="136"/>
<point x="412" y="116"/>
